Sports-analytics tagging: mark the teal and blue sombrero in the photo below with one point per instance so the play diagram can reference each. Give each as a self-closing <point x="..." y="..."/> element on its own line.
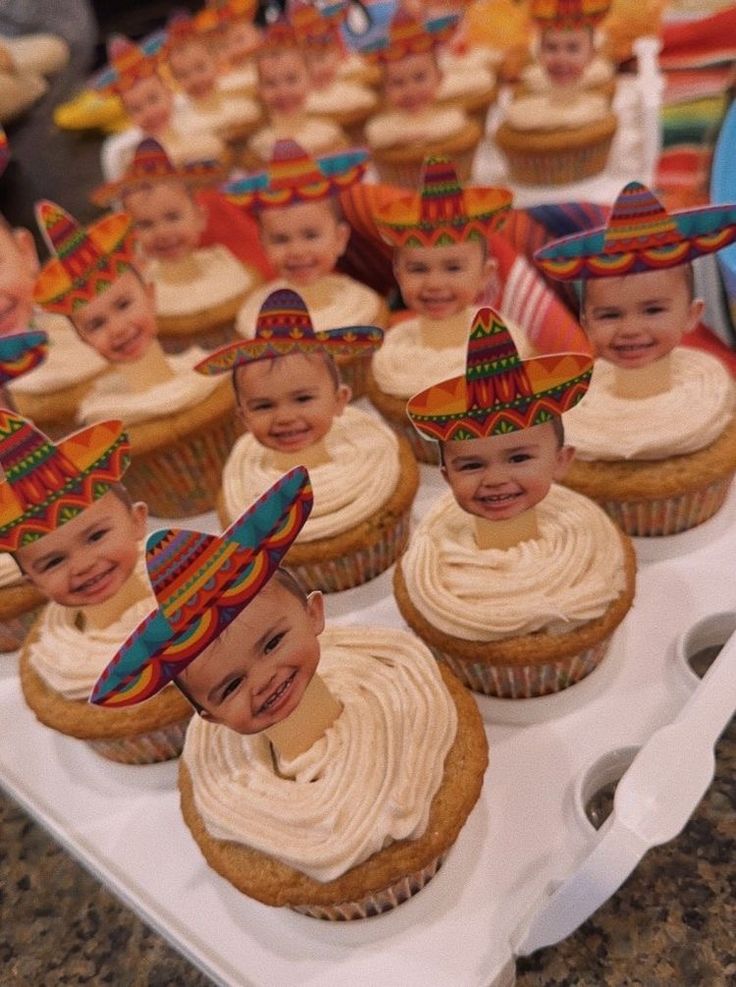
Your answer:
<point x="21" y="353"/>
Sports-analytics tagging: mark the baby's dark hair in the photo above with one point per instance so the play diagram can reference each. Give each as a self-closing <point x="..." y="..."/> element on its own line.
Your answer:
<point x="557" y="425"/>
<point x="686" y="268"/>
<point x="327" y="359"/>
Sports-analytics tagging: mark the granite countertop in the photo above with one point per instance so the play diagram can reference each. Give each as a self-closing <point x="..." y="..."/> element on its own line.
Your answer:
<point x="671" y="925"/>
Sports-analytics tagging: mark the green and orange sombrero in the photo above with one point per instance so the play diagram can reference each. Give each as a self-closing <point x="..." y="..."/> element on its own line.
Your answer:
<point x="4" y="151"/>
<point x="293" y="176"/>
<point x="409" y="36"/>
<point x="47" y="484"/>
<point x="20" y="353"/>
<point x="569" y="13"/>
<point x="151" y="165"/>
<point x="129" y="63"/>
<point x="85" y="261"/>
<point x="284" y="327"/>
<point x="499" y="392"/>
<point x="315" y="25"/>
<point x="201" y="584"/>
<point x="442" y="212"/>
<point x="640" y="236"/>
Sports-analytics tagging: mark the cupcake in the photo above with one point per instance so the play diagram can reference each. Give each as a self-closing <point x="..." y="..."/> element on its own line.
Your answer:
<point x="180" y="426"/>
<point x="304" y="724"/>
<point x="293" y="405"/>
<point x="78" y="547"/>
<point x="169" y="222"/>
<point x="656" y="437"/>
<point x="515" y="583"/>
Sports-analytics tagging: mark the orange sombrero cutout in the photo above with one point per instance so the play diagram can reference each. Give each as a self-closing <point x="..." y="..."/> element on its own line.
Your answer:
<point x="315" y="25"/>
<point x="569" y="13"/>
<point x="640" y="236"/>
<point x="151" y="165"/>
<point x="409" y="36"/>
<point x="442" y="212"/>
<point x="129" y="63"/>
<point x="499" y="392"/>
<point x="283" y="327"/>
<point x="276" y="37"/>
<point x="85" y="260"/>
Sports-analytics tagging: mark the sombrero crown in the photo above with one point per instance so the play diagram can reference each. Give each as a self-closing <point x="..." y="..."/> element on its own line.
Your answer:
<point x="442" y="211"/>
<point x="21" y="353"/>
<point x="201" y="583"/>
<point x="569" y="13"/>
<point x="314" y="25"/>
<point x="150" y="165"/>
<point x="85" y="260"/>
<point x="499" y="392"/>
<point x="278" y="36"/>
<point x="409" y="36"/>
<point x="284" y="327"/>
<point x="129" y="63"/>
<point x="293" y="176"/>
<point x="640" y="236"/>
<point x="47" y="484"/>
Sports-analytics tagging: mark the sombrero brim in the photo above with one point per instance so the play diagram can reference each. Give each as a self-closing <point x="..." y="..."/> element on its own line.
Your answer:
<point x="21" y="353"/>
<point x="433" y="31"/>
<point x="484" y="211"/>
<point x="345" y="342"/>
<point x="253" y="547"/>
<point x="194" y="175"/>
<point x="698" y="232"/>
<point x="559" y="381"/>
<point x="108" y="78"/>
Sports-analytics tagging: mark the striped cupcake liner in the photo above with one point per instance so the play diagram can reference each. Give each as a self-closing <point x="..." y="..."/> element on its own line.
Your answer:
<point x="670" y="515"/>
<point x="377" y="902"/>
<point x="183" y="478"/>
<point x="524" y="681"/>
<point x="163" y="744"/>
<point x="355" y="568"/>
<point x="354" y="373"/>
<point x="14" y="630"/>
<point x="559" y="166"/>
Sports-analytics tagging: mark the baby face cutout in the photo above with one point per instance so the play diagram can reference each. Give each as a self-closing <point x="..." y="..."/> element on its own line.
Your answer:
<point x="636" y="319"/>
<point x="149" y="104"/>
<point x="283" y="81"/>
<point x="121" y="322"/>
<point x="501" y="476"/>
<point x="18" y="270"/>
<point x="255" y="674"/>
<point x="411" y="84"/>
<point x="194" y="69"/>
<point x="167" y="221"/>
<point x="242" y="37"/>
<point x="289" y="403"/>
<point x="438" y="282"/>
<point x="324" y="64"/>
<point x="565" y="53"/>
<point x="303" y="242"/>
<point x="87" y="560"/>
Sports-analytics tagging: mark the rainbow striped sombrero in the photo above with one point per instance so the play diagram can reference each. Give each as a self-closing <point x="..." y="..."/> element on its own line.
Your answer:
<point x="569" y="13"/>
<point x="201" y="583"/>
<point x="128" y="62"/>
<point x="283" y="327"/>
<point x="640" y="236"/>
<point x="499" y="392"/>
<point x="21" y="353"/>
<point x="409" y="36"/>
<point x="317" y="25"/>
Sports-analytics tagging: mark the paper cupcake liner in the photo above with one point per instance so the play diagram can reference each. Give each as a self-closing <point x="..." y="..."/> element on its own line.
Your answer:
<point x="163" y="744"/>
<point x="409" y="173"/>
<point x="524" y="681"/>
<point x="424" y="450"/>
<point x="558" y="166"/>
<point x="670" y="515"/>
<point x="355" y="568"/>
<point x="183" y="478"/>
<point x="377" y="902"/>
<point x="354" y="373"/>
<point x="14" y="630"/>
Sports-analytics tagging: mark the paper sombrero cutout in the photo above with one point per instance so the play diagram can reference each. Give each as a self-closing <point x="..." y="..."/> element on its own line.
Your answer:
<point x="569" y="13"/>
<point x="46" y="483"/>
<point x="201" y="584"/>
<point x="293" y="176"/>
<point x="129" y="63"/>
<point x="20" y="353"/>
<point x="85" y="261"/>
<point x="409" y="36"/>
<point x="276" y="37"/>
<point x="150" y="165"/>
<point x="316" y="25"/>
<point x="283" y="327"/>
<point x="499" y="392"/>
<point x="640" y="236"/>
<point x="442" y="212"/>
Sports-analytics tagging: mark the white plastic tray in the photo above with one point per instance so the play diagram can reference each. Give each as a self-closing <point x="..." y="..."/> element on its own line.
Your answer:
<point x="528" y="833"/>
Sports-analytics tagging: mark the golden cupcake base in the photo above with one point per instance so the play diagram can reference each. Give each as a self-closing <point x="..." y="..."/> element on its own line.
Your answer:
<point x="55" y="412"/>
<point x="20" y="605"/>
<point x="403" y="165"/>
<point x="393" y="410"/>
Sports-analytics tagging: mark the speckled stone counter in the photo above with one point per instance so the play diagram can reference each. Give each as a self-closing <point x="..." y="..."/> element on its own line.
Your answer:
<point x="671" y="925"/>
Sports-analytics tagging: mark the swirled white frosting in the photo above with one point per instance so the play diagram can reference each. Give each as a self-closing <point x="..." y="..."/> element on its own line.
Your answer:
<point x="69" y="360"/>
<point x="404" y="365"/>
<point x="549" y="112"/>
<point x="10" y="574"/>
<point x="70" y="659"/>
<point x="217" y="276"/>
<point x="465" y="80"/>
<point x="338" y="301"/>
<point x="216" y="114"/>
<point x="689" y="416"/>
<point x="315" y="134"/>
<point x="396" y="127"/>
<point x="342" y="95"/>
<point x="238" y="80"/>
<point x="367" y="782"/>
<point x="184" y="148"/>
<point x="361" y="476"/>
<point x="597" y="73"/>
<point x="111" y="398"/>
<point x="567" y="576"/>
<point x="475" y="58"/>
